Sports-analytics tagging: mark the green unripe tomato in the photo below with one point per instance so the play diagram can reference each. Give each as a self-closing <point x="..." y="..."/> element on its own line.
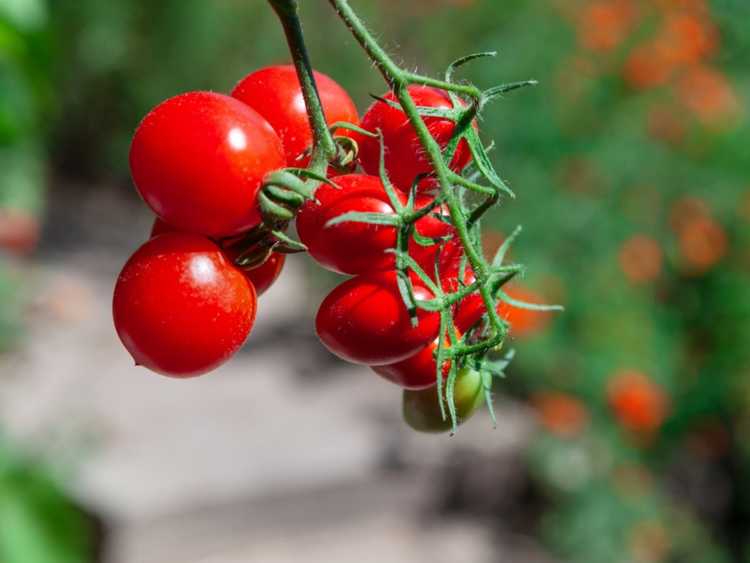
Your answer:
<point x="421" y="409"/>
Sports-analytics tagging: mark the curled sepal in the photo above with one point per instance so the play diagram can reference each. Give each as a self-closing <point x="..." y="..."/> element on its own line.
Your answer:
<point x="286" y="244"/>
<point x="492" y="93"/>
<point x="528" y="306"/>
<point x="363" y="217"/>
<point x="466" y="59"/>
<point x="483" y="163"/>
<point x="273" y="212"/>
<point x="254" y="257"/>
<point x="499" y="257"/>
<point x="351" y="127"/>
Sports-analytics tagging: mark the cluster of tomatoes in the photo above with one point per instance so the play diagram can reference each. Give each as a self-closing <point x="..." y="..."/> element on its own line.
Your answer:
<point x="185" y="302"/>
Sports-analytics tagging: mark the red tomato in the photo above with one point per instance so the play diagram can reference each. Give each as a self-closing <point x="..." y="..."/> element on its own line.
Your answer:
<point x="351" y="247"/>
<point x="523" y="322"/>
<point x="180" y="307"/>
<point x="262" y="277"/>
<point x="639" y="404"/>
<point x="421" y="408"/>
<point x="199" y="159"/>
<point x="405" y="158"/>
<point x="415" y="372"/>
<point x="265" y="275"/>
<point x="364" y="321"/>
<point x="275" y="93"/>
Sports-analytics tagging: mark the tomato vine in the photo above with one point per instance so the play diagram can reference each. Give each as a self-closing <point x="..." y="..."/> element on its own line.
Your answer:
<point x="465" y="196"/>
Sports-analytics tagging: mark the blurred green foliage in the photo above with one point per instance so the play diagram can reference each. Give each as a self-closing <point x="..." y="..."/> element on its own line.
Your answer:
<point x="37" y="522"/>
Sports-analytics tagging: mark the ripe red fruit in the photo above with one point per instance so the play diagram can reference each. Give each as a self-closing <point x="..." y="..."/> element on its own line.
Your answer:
<point x="405" y="158"/>
<point x="275" y="93"/>
<point x="199" y="159"/>
<point x="353" y="247"/>
<point x="364" y="321"/>
<point x="180" y="307"/>
<point x="415" y="372"/>
<point x="262" y="277"/>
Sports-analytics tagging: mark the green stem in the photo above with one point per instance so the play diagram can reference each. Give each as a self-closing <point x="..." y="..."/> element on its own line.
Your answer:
<point x="399" y="79"/>
<point x="324" y="147"/>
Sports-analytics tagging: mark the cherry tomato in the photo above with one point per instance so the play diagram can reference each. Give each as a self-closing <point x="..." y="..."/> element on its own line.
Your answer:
<point x="265" y="275"/>
<point x="275" y="93"/>
<point x="364" y="321"/>
<point x="180" y="307"/>
<point x="421" y="409"/>
<point x="352" y="247"/>
<point x="199" y="159"/>
<point x="415" y="372"/>
<point x="262" y="277"/>
<point x="523" y="322"/>
<point x="405" y="158"/>
<point x="639" y="404"/>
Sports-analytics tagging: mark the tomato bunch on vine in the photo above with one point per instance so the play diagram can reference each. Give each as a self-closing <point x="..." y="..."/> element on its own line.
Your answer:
<point x="394" y="199"/>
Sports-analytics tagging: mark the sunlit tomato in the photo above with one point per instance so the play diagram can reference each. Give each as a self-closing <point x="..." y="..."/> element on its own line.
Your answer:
<point x="364" y="321"/>
<point x="262" y="277"/>
<point x="523" y="322"/>
<point x="199" y="159"/>
<point x="639" y="404"/>
<point x="421" y="409"/>
<point x="405" y="158"/>
<point x="180" y="307"/>
<point x="354" y="247"/>
<point x="275" y="93"/>
<point x="415" y="372"/>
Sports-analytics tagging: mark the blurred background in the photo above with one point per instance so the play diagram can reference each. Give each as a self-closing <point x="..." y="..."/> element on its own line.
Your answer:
<point x="623" y="424"/>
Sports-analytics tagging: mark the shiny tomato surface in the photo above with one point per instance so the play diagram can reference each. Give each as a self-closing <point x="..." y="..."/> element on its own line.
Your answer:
<point x="405" y="158"/>
<point x="199" y="159"/>
<point x="262" y="277"/>
<point x="364" y="321"/>
<point x="355" y="247"/>
<point x="180" y="307"/>
<point x="275" y="93"/>
<point x="415" y="372"/>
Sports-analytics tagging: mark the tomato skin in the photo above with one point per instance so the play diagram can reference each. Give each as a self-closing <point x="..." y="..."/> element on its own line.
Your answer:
<point x="405" y="158"/>
<point x="364" y="321"/>
<point x="275" y="93"/>
<point x="265" y="275"/>
<point x="199" y="159"/>
<point x="421" y="409"/>
<point x="180" y="307"/>
<point x="415" y="372"/>
<point x="357" y="248"/>
<point x="262" y="277"/>
<point x="523" y="322"/>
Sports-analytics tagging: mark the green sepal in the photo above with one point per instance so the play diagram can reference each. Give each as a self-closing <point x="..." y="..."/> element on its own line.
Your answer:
<point x="528" y="306"/>
<point x="466" y="59"/>
<point x="497" y="91"/>
<point x="364" y="217"/>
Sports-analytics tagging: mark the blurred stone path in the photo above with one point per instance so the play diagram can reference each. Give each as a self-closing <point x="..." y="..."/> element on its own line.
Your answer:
<point x="285" y="454"/>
